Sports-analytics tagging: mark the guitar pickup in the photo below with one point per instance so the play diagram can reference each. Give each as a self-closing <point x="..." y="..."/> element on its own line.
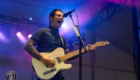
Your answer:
<point x="58" y="59"/>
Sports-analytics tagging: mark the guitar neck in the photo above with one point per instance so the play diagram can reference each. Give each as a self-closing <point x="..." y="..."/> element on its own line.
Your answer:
<point x="74" y="53"/>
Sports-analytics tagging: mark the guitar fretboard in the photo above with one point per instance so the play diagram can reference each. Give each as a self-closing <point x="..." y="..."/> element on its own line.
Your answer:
<point x="74" y="53"/>
<point x="69" y="55"/>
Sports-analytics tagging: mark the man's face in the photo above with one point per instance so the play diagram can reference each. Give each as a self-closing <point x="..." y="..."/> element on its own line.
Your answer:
<point x="57" y="20"/>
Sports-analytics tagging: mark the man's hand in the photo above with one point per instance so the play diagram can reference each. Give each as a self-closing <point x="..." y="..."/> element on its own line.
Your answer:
<point x="47" y="61"/>
<point x="90" y="48"/>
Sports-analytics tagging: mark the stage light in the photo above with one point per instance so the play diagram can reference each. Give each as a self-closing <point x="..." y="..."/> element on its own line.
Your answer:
<point x="18" y="34"/>
<point x="30" y="35"/>
<point x="64" y="25"/>
<point x="21" y="37"/>
<point x="31" y="18"/>
<point x="3" y="37"/>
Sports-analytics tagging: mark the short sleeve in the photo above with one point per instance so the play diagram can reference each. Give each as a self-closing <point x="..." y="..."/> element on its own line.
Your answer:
<point x="37" y="36"/>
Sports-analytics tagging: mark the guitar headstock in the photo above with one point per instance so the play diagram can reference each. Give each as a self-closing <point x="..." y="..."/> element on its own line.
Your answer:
<point x="101" y="43"/>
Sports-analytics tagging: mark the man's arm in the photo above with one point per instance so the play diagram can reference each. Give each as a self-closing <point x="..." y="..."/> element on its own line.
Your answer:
<point x="30" y="48"/>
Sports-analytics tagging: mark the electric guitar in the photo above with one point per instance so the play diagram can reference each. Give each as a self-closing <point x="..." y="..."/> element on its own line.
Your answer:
<point x="59" y="57"/>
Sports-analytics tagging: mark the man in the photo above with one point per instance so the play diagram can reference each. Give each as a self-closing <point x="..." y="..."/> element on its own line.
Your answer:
<point x="47" y="40"/>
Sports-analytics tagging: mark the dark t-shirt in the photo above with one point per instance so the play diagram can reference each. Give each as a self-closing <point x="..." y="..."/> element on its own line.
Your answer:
<point x="48" y="39"/>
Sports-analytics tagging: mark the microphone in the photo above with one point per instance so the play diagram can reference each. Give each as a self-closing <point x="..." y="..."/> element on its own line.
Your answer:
<point x="68" y="13"/>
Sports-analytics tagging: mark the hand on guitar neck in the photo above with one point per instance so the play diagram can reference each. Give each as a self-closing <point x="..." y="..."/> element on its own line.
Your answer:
<point x="90" y="48"/>
<point x="47" y="61"/>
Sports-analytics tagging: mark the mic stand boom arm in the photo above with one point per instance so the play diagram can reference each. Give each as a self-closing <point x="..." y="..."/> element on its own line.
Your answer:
<point x="81" y="43"/>
<point x="78" y="33"/>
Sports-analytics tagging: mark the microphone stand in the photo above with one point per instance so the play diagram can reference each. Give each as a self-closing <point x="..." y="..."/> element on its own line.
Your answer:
<point x="81" y="43"/>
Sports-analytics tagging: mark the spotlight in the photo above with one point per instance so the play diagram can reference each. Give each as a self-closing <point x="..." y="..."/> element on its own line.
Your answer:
<point x="3" y="37"/>
<point x="30" y="35"/>
<point x="31" y="18"/>
<point x="64" y="25"/>
<point x="18" y="34"/>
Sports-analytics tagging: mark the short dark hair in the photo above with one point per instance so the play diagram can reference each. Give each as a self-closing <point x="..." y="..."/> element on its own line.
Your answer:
<point x="52" y="14"/>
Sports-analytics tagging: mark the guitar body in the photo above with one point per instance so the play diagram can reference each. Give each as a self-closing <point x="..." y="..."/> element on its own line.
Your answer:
<point x="44" y="72"/>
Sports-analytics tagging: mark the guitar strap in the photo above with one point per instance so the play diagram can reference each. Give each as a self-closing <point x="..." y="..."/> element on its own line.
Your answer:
<point x="62" y="41"/>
